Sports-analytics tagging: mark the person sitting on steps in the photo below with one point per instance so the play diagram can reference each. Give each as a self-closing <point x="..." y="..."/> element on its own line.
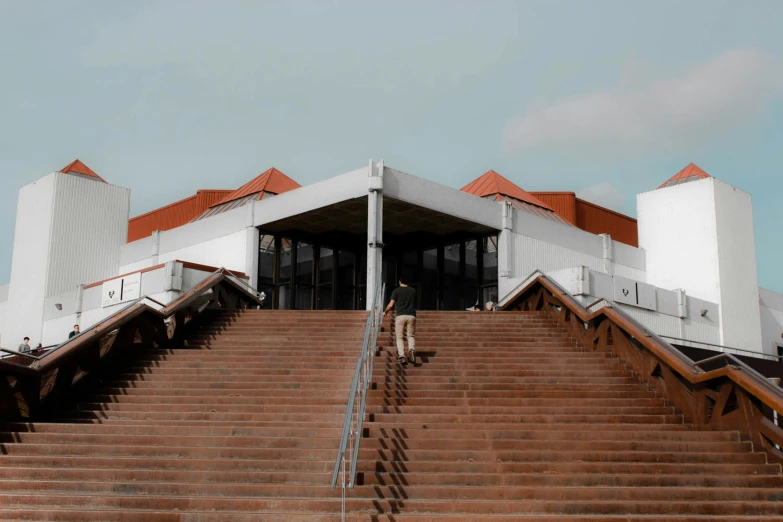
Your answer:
<point x="403" y="300"/>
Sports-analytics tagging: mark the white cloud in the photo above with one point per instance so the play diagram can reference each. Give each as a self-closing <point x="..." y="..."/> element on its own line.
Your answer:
<point x="710" y="98"/>
<point x="605" y="195"/>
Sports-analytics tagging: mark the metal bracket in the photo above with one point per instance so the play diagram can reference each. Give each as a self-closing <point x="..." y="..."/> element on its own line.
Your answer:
<point x="376" y="244"/>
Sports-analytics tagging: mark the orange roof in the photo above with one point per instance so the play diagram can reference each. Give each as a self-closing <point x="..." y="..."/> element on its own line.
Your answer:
<point x="591" y="217"/>
<point x="492" y="183"/>
<point x="173" y="215"/>
<point x="689" y="173"/>
<point x="77" y="167"/>
<point x="272" y="181"/>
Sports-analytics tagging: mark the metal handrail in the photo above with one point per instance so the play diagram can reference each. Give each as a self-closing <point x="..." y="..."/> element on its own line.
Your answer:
<point x="750" y="353"/>
<point x="351" y="435"/>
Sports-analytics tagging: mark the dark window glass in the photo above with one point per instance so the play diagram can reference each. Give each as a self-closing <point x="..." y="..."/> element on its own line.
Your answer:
<point x="285" y="261"/>
<point x="452" y="282"/>
<point x="304" y="297"/>
<point x="304" y="263"/>
<point x="410" y="268"/>
<point x="490" y="261"/>
<point x="471" y="288"/>
<point x="429" y="280"/>
<point x="284" y="297"/>
<point x="325" y="266"/>
<point x="346" y="264"/>
<point x="266" y="260"/>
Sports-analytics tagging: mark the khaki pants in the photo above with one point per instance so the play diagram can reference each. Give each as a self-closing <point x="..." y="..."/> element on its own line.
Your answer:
<point x="405" y="324"/>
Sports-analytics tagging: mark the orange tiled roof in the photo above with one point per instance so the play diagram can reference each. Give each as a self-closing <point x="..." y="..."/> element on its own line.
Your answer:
<point x="77" y="167"/>
<point x="493" y="183"/>
<point x="272" y="181"/>
<point x="174" y="214"/>
<point x="689" y="173"/>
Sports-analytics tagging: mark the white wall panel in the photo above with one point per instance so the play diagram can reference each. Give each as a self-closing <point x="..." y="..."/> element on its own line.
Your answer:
<point x="29" y="263"/>
<point x="771" y="312"/>
<point x="56" y="330"/>
<point x="630" y="273"/>
<point x="677" y="230"/>
<point x="135" y="267"/>
<point x="3" y="312"/>
<point x="137" y="251"/>
<point x="771" y="329"/>
<point x="628" y="256"/>
<point x="227" y="251"/>
<point x="3" y="293"/>
<point x="737" y="268"/>
<point x="666" y="325"/>
<point x="427" y="194"/>
<point x="530" y="254"/>
<point x="89" y="225"/>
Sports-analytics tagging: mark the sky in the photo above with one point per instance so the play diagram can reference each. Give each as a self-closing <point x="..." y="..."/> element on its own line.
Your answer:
<point x="603" y="98"/>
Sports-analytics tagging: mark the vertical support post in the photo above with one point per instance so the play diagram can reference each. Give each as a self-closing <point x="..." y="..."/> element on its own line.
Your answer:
<point x="682" y="310"/>
<point x="608" y="266"/>
<point x="155" y="251"/>
<point x="374" y="228"/>
<point x="252" y="245"/>
<point x="505" y="250"/>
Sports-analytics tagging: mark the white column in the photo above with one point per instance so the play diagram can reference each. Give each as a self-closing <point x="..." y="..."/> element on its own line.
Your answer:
<point x="374" y="228"/>
<point x="251" y="246"/>
<point x="505" y="250"/>
<point x="607" y="267"/>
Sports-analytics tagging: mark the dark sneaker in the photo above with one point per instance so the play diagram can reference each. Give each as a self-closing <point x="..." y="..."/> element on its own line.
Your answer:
<point x="402" y="360"/>
<point x="412" y="356"/>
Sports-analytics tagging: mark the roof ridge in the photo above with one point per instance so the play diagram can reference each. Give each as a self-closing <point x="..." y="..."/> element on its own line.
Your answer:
<point x="492" y="182"/>
<point x="261" y="183"/>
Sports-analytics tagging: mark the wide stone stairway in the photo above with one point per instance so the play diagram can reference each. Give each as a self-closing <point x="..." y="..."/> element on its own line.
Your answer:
<point x="241" y="424"/>
<point x="503" y="417"/>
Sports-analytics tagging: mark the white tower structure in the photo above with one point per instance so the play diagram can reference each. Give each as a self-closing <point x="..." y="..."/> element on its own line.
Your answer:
<point x="697" y="232"/>
<point x="70" y="226"/>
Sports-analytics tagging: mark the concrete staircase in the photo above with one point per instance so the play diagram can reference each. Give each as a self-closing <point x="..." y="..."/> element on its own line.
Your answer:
<point x="242" y="424"/>
<point x="504" y="418"/>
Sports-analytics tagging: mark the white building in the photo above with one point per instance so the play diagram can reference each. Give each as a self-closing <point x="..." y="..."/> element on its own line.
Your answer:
<point x="691" y="277"/>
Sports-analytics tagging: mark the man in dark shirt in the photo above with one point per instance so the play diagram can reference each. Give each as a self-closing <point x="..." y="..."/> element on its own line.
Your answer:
<point x="403" y="300"/>
<point x="75" y="331"/>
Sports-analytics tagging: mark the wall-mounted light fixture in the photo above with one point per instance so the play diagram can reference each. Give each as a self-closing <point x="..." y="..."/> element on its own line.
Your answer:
<point x="703" y="313"/>
<point x="59" y="306"/>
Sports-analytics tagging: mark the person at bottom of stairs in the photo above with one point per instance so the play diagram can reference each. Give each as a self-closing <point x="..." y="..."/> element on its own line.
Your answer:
<point x="403" y="300"/>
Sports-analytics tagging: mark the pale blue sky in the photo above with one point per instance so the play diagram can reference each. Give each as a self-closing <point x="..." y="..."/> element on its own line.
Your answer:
<point x="605" y="98"/>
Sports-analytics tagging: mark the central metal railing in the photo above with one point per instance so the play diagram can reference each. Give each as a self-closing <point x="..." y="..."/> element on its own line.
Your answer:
<point x="348" y="452"/>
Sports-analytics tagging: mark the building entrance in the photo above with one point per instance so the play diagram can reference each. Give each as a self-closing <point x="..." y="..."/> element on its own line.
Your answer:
<point x="311" y="273"/>
<point x="303" y="274"/>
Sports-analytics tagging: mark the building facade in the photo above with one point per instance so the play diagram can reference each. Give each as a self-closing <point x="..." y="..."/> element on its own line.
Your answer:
<point x="685" y="267"/>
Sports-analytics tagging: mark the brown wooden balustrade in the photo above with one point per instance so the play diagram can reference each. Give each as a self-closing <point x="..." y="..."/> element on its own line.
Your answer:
<point x="28" y="382"/>
<point x="717" y="393"/>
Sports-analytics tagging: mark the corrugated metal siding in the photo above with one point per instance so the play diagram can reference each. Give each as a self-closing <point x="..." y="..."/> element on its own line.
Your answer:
<point x="227" y="252"/>
<point x="173" y="215"/>
<point x="89" y="225"/>
<point x="598" y="220"/>
<point x="563" y="203"/>
<point x="530" y="254"/>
